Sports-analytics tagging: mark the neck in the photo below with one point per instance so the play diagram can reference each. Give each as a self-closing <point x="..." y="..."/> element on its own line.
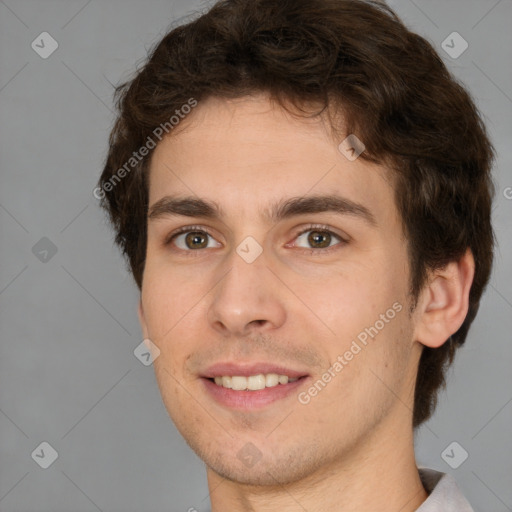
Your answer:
<point x="376" y="476"/>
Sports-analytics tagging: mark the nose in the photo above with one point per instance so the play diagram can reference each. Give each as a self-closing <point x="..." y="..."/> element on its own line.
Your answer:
<point x="248" y="298"/>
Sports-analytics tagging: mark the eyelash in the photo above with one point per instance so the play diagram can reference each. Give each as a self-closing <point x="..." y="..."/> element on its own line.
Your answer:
<point x="312" y="227"/>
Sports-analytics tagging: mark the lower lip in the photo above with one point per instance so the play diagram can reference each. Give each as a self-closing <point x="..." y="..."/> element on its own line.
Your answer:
<point x="245" y="400"/>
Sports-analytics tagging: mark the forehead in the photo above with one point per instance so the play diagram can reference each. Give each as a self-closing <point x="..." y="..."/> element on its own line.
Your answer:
<point x="248" y="152"/>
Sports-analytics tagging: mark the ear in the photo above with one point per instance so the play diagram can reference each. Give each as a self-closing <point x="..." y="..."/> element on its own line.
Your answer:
<point x="142" y="320"/>
<point x="443" y="303"/>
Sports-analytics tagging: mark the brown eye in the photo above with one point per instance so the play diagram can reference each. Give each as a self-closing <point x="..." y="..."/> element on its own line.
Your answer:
<point x="188" y="240"/>
<point x="196" y="240"/>
<point x="319" y="239"/>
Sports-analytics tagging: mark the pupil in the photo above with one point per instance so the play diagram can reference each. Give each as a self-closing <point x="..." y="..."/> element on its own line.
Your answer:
<point x="316" y="237"/>
<point x="196" y="240"/>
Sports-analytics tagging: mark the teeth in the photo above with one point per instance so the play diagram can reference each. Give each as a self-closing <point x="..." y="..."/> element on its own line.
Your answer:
<point x="238" y="383"/>
<point x="271" y="380"/>
<point x="226" y="382"/>
<point x="253" y="382"/>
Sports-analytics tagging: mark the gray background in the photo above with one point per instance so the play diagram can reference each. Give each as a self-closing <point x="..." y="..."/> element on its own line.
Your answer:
<point x="68" y="374"/>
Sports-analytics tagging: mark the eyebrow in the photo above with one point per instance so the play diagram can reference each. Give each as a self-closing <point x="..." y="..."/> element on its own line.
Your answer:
<point x="170" y="206"/>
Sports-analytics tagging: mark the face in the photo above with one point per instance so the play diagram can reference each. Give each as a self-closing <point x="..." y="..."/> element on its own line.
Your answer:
<point x="276" y="289"/>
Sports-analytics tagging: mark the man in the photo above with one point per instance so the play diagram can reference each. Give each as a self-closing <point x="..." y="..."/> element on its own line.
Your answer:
<point x="303" y="193"/>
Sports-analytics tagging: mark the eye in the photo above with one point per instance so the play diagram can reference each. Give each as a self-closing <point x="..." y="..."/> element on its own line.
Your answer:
<point x="188" y="239"/>
<point x="318" y="237"/>
<point x="192" y="238"/>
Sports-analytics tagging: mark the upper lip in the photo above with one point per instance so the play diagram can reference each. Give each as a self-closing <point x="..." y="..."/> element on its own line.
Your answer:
<point x="247" y="369"/>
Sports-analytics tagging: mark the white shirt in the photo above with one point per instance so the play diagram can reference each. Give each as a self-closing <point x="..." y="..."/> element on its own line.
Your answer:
<point x="444" y="494"/>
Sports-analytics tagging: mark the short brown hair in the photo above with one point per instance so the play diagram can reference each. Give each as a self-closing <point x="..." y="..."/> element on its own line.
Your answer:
<point x="395" y="93"/>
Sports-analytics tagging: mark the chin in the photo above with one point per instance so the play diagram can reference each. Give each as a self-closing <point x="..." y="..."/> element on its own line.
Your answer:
<point x="271" y="470"/>
<point x="265" y="475"/>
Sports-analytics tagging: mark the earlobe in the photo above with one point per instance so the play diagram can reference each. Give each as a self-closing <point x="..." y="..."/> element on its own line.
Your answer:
<point x="444" y="302"/>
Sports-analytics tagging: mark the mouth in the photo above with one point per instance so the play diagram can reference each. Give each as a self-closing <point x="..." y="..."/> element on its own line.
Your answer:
<point x="253" y="382"/>
<point x="250" y="387"/>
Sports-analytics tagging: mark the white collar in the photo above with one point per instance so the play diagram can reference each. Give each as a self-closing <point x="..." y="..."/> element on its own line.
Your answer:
<point x="444" y="494"/>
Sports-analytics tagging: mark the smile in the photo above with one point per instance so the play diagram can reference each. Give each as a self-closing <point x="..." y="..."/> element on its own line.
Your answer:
<point x="251" y="385"/>
<point x="253" y="382"/>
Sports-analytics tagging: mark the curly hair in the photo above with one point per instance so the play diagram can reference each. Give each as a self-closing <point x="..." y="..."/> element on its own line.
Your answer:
<point x="395" y="94"/>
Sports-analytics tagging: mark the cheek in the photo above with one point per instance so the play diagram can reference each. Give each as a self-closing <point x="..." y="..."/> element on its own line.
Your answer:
<point x="370" y="370"/>
<point x="168" y="297"/>
<point x="350" y="300"/>
<point x="369" y="336"/>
